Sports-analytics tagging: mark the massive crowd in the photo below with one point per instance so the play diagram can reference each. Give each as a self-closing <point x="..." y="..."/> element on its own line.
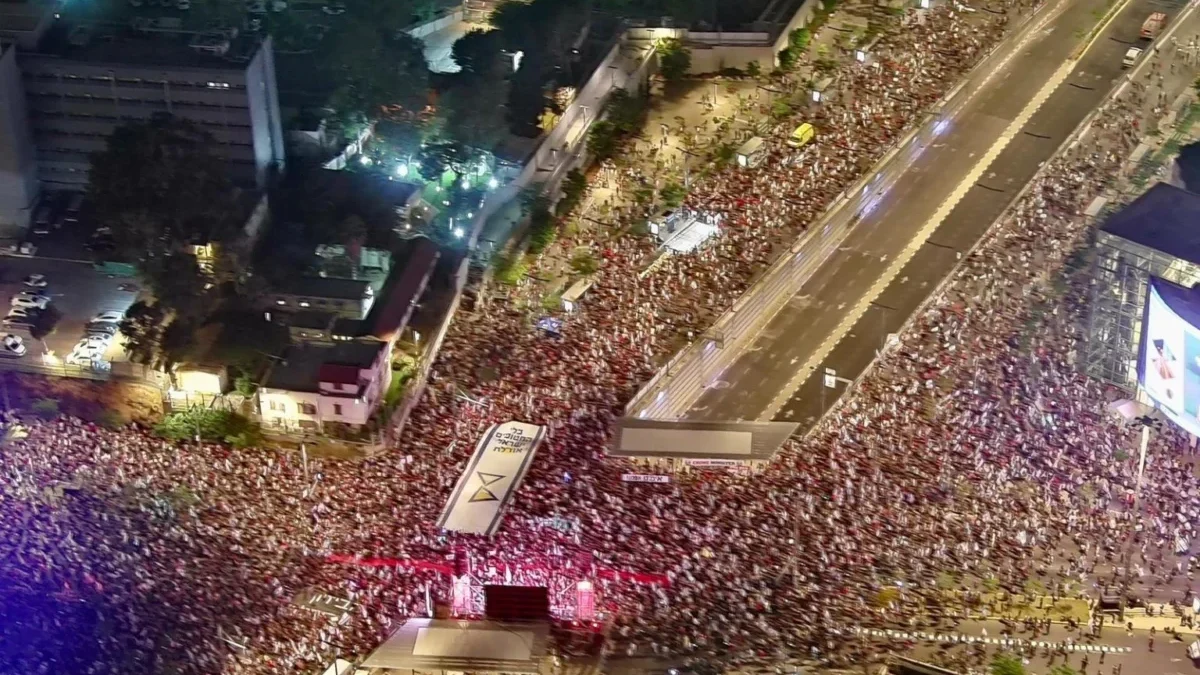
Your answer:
<point x="964" y="453"/>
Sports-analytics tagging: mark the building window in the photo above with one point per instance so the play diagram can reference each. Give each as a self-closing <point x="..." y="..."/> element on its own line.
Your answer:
<point x="277" y="406"/>
<point x="307" y="408"/>
<point x="337" y="408"/>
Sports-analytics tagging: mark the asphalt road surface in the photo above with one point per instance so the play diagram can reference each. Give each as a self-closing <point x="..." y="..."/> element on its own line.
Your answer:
<point x="762" y="382"/>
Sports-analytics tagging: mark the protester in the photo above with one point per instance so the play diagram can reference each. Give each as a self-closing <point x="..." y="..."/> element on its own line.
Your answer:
<point x="965" y="453"/>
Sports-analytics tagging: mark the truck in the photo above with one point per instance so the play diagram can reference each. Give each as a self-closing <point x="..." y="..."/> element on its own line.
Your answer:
<point x="1153" y="25"/>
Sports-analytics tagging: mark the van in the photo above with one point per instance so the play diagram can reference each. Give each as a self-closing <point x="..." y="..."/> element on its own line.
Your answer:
<point x="1131" y="57"/>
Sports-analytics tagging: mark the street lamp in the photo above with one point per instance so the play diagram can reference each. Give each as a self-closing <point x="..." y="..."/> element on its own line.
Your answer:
<point x="493" y="183"/>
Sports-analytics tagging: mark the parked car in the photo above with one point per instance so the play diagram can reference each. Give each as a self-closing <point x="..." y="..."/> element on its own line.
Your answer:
<point x="108" y="329"/>
<point x="30" y="301"/>
<point x="109" y="316"/>
<point x="334" y="8"/>
<point x="13" y="345"/>
<point x="35" y="281"/>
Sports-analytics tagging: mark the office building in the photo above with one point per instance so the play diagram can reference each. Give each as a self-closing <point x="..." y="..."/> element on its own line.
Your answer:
<point x="18" y="159"/>
<point x="83" y="81"/>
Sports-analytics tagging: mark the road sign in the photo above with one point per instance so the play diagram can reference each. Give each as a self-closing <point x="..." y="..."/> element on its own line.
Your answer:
<point x="831" y="378"/>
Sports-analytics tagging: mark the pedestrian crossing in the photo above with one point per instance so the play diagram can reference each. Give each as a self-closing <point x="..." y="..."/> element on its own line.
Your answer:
<point x="962" y="638"/>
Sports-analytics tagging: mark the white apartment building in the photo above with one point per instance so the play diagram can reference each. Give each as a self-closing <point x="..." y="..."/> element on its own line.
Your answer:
<point x="317" y="387"/>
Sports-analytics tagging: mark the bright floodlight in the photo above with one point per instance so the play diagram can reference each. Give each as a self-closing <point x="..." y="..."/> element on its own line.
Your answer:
<point x="402" y="170"/>
<point x="364" y="160"/>
<point x="493" y="183"/>
<point x="465" y="184"/>
<point x="458" y="233"/>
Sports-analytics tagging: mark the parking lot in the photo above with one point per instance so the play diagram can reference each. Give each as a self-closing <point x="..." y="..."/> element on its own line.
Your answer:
<point x="77" y="291"/>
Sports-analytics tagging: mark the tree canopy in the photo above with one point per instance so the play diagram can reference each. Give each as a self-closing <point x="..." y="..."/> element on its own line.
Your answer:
<point x="161" y="188"/>
<point x="381" y="68"/>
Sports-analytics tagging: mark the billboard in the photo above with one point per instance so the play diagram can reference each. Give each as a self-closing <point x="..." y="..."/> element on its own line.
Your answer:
<point x="1169" y="354"/>
<point x="501" y="459"/>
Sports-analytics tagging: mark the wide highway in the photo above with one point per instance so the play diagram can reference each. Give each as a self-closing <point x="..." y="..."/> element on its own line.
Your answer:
<point x="954" y="187"/>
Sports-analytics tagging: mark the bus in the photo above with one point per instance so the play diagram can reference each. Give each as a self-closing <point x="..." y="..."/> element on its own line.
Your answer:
<point x="1153" y="25"/>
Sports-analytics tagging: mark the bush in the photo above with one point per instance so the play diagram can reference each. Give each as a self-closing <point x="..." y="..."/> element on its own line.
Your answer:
<point x="46" y="408"/>
<point x="584" y="262"/>
<point x="753" y="69"/>
<point x="543" y="230"/>
<point x="510" y="269"/>
<point x="788" y="58"/>
<point x="221" y="426"/>
<point x="798" y="39"/>
<point x="574" y="187"/>
<point x="673" y="194"/>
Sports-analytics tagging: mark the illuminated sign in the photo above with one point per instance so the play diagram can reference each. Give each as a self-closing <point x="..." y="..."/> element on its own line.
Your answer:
<point x="1169" y="355"/>
<point x="495" y="471"/>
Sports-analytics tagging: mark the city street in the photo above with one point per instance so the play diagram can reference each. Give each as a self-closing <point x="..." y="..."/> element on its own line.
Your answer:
<point x="781" y="376"/>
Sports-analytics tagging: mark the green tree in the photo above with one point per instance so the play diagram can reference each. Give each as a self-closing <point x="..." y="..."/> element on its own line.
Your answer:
<point x="753" y="69"/>
<point x="673" y="194"/>
<point x="160" y="187"/>
<point x="474" y="111"/>
<point x="45" y="322"/>
<point x="1006" y="664"/>
<point x="142" y="329"/>
<point x="543" y="230"/>
<point x="583" y="262"/>
<point x="437" y="158"/>
<point x="221" y="426"/>
<point x="479" y="54"/>
<point x="602" y="140"/>
<point x="574" y="187"/>
<point x="380" y="68"/>
<point x="510" y="269"/>
<point x="674" y="59"/>
<point x="245" y="385"/>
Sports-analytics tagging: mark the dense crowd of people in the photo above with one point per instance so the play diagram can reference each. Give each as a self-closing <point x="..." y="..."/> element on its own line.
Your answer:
<point x="967" y="452"/>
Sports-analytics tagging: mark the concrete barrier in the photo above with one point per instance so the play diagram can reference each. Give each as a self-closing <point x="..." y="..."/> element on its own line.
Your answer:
<point x="676" y="386"/>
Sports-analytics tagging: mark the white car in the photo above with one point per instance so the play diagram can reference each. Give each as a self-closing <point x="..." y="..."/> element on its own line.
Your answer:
<point x="13" y="345"/>
<point x="30" y="301"/>
<point x="99" y="341"/>
<point x="87" y="352"/>
<point x="109" y="316"/>
<point x="1131" y="57"/>
<point x="35" y="281"/>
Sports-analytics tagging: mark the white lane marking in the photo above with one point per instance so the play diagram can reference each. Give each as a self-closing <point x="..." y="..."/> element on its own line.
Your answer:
<point x="960" y="191"/>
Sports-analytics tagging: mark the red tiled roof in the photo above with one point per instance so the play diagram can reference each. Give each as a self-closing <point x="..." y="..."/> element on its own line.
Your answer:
<point x="399" y="299"/>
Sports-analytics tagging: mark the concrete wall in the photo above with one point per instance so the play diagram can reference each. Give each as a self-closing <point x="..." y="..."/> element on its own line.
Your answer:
<point x="422" y="29"/>
<point x="18" y="163"/>
<point x="626" y="67"/>
<point x="710" y="59"/>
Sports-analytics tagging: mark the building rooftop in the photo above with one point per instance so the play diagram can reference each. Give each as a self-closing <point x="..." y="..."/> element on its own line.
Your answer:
<point x="303" y="365"/>
<point x="327" y="287"/>
<point x="125" y="45"/>
<point x="403" y="290"/>
<point x="1166" y="218"/>
<point x="314" y="320"/>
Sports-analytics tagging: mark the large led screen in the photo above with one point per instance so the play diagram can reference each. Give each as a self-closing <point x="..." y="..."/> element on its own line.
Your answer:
<point x="1169" y="358"/>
